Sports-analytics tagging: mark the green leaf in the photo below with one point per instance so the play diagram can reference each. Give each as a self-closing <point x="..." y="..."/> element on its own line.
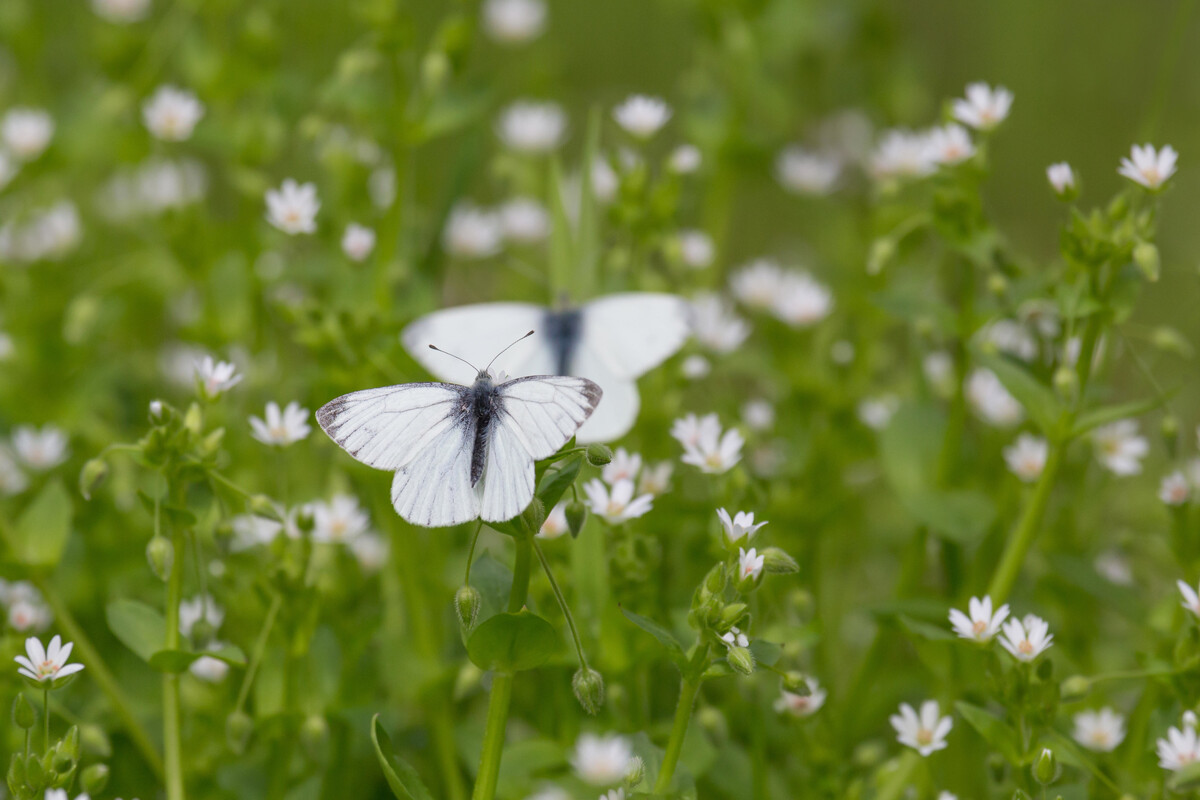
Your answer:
<point x="139" y="627"/>
<point x="1038" y="399"/>
<point x="1069" y="753"/>
<point x="1094" y="418"/>
<point x="909" y="448"/>
<point x="40" y="533"/>
<point x="664" y="636"/>
<point x="961" y="515"/>
<point x="403" y="780"/>
<point x="766" y="653"/>
<point x="994" y="731"/>
<point x="557" y="480"/>
<point x="513" y="642"/>
<point x="925" y="630"/>
<point x="494" y="582"/>
<point x="175" y="661"/>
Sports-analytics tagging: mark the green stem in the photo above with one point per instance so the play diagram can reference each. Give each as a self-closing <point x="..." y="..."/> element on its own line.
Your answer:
<point x="1022" y="536"/>
<point x="260" y="648"/>
<point x="688" y="690"/>
<point x="46" y="720"/>
<point x="901" y="778"/>
<point x="562" y="604"/>
<point x="172" y="737"/>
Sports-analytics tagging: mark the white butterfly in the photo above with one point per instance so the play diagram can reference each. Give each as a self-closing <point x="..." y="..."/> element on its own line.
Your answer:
<point x="460" y="452"/>
<point x="612" y="340"/>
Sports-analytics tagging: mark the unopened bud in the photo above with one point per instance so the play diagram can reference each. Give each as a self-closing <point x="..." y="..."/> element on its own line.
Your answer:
<point x="158" y="412"/>
<point x="161" y="556"/>
<point x="637" y="772"/>
<point x="576" y="513"/>
<point x="882" y="251"/>
<point x="997" y="284"/>
<point x="263" y="506"/>
<point x="238" y="727"/>
<point x="70" y="743"/>
<point x="777" y="562"/>
<point x="23" y="713"/>
<point x="598" y="454"/>
<point x="94" y="779"/>
<point x="1045" y="769"/>
<point x="796" y="683"/>
<point x="91" y="476"/>
<point x="588" y="685"/>
<point x="467" y="601"/>
<point x="61" y="763"/>
<point x="714" y="581"/>
<point x="1066" y="383"/>
<point x="1075" y="688"/>
<point x="534" y="514"/>
<point x="741" y="659"/>
<point x="314" y="735"/>
<point x="731" y="615"/>
<point x="1145" y="255"/>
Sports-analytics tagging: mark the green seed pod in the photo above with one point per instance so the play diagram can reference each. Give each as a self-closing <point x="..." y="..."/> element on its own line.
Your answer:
<point x="576" y="513"/>
<point x="92" y="476"/>
<point x="467" y="602"/>
<point x="238" y="728"/>
<point x="588" y="685"/>
<point x="94" y="779"/>
<point x="598" y="454"/>
<point x="161" y="557"/>
<point x="23" y="713"/>
<point x="741" y="659"/>
<point x="730" y="615"/>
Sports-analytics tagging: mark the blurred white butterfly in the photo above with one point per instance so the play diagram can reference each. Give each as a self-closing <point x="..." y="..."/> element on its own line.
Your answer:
<point x="612" y="340"/>
<point x="460" y="452"/>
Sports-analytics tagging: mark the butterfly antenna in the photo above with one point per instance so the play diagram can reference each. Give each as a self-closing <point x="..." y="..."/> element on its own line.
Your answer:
<point x="460" y="358"/>
<point x="505" y="350"/>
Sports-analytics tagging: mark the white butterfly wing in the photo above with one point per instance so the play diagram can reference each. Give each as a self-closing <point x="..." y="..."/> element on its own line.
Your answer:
<point x="538" y="416"/>
<point x="476" y="333"/>
<point x="633" y="332"/>
<point x="418" y="431"/>
<point x="616" y="415"/>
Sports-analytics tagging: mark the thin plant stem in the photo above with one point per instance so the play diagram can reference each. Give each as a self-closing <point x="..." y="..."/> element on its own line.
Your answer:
<point x="562" y="604"/>
<point x="172" y="717"/>
<point x="688" y="690"/>
<point x="46" y="719"/>
<point x="260" y="648"/>
<point x="1022" y="536"/>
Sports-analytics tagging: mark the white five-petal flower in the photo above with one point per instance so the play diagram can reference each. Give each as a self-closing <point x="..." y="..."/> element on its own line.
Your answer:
<point x="1028" y="638"/>
<point x="741" y="527"/>
<point x="1174" y="489"/>
<point x="601" y="760"/>
<point x="1099" y="730"/>
<point x="281" y="428"/>
<point x="618" y="505"/>
<point x="1191" y="600"/>
<point x="925" y="732"/>
<point x="46" y="664"/>
<point x="802" y="705"/>
<point x="292" y="208"/>
<point x="1061" y="177"/>
<point x="704" y="444"/>
<point x="1179" y="748"/>
<point x="750" y="564"/>
<point x="216" y="377"/>
<point x="171" y="113"/>
<point x="1026" y="458"/>
<point x="984" y="107"/>
<point x="642" y="116"/>
<point x="40" y="449"/>
<point x="358" y="241"/>
<point x="1149" y="167"/>
<point x="1120" y="448"/>
<point x="979" y="624"/>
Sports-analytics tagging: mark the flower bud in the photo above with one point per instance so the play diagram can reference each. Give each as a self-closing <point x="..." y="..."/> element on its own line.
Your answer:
<point x="314" y="735"/>
<point x="161" y="556"/>
<point x="91" y="476"/>
<point x="263" y="506"/>
<point x="777" y="562"/>
<point x="69" y="744"/>
<point x="576" y="513"/>
<point x="23" y="713"/>
<point x="1045" y="769"/>
<point x="731" y="615"/>
<point x="238" y="727"/>
<point x="598" y="454"/>
<point x="193" y="420"/>
<point x="534" y="514"/>
<point x="467" y="601"/>
<point x="637" y="772"/>
<point x="882" y="251"/>
<point x="588" y="685"/>
<point x="741" y="659"/>
<point x="997" y="284"/>
<point x="158" y="412"/>
<point x="1145" y="256"/>
<point x="60" y="764"/>
<point x="93" y="779"/>
<point x="796" y="683"/>
<point x="1075" y="688"/>
<point x="1066" y="383"/>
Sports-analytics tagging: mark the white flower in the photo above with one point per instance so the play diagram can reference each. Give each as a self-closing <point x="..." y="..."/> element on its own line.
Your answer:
<point x="601" y="760"/>
<point x="199" y="608"/>
<point x="802" y="300"/>
<point x="696" y="248"/>
<point x="1120" y="448"/>
<point x="938" y="367"/>
<point x="171" y="114"/>
<point x="981" y="624"/>
<point x="618" y="506"/>
<point x="950" y="144"/>
<point x="1191" y="601"/>
<point x="624" y="466"/>
<point x="740" y="526"/>
<point x="531" y="127"/>
<point x="340" y="520"/>
<point x="802" y="705"/>
<point x="40" y="449"/>
<point x="28" y="615"/>
<point x="26" y="132"/>
<point x="903" y="154"/>
<point x="1174" y="489"/>
<point x="944" y="795"/>
<point x="991" y="401"/>
<point x="715" y="325"/>
<point x="735" y="638"/>
<point x="1061" y="177"/>
<point x="877" y="412"/>
<point x="46" y="664"/>
<point x="685" y="159"/>
<point x="1114" y="567"/>
<point x="656" y="478"/>
<point x="704" y="445"/>
<point x="642" y="116"/>
<point x="1028" y="638"/>
<point x="371" y="551"/>
<point x="292" y="208"/>
<point x="925" y="733"/>
<point x="759" y="415"/>
<point x="216" y="377"/>
<point x="524" y="221"/>
<point x="381" y="186"/>
<point x="695" y="367"/>
<point x="1148" y="167"/>
<point x="121" y="11"/>
<point x="47" y="234"/>
<point x="12" y="479"/>
<point x="1099" y="730"/>
<point x="1179" y="749"/>
<point x="1009" y="336"/>
<point x="514" y="21"/>
<point x="614" y="794"/>
<point x="804" y="172"/>
<point x="251" y="530"/>
<point x="555" y="524"/>
<point x="1027" y="457"/>
<point x="8" y="169"/>
<point x="758" y="284"/>
<point x="358" y="241"/>
<point x="472" y="232"/>
<point x="209" y="669"/>
<point x="984" y="108"/>
<point x="549" y="792"/>
<point x="750" y="564"/>
<point x="280" y="429"/>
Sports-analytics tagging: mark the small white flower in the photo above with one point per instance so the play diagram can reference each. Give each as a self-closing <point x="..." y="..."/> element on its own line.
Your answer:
<point x="642" y="116"/>
<point x="695" y="367"/>
<point x="514" y="21"/>
<point x="292" y="208"/>
<point x="472" y="232"/>
<point x="601" y="760"/>
<point x="925" y="733"/>
<point x="740" y="527"/>
<point x="1028" y="638"/>
<point x="715" y="325"/>
<point x="705" y="446"/>
<point x="735" y="638"/>
<point x="26" y="132"/>
<point x="696" y="248"/>
<point x="199" y="608"/>
<point x="991" y="401"/>
<point x="251" y="530"/>
<point x="12" y="479"/>
<point x="1061" y="177"/>
<point x="951" y="144"/>
<point x="531" y="127"/>
<point x="1174" y="489"/>
<point x="802" y="705"/>
<point x="804" y="172"/>
<point x="1191" y="601"/>
<point x="555" y="524"/>
<point x="1099" y="730"/>
<point x="381" y="186"/>
<point x="656" y="478"/>
<point x="46" y="664"/>
<point x="614" y="794"/>
<point x="40" y="449"/>
<point x="1120" y="448"/>
<point x="280" y="429"/>
<point x="216" y="377"/>
<point x="340" y="520"/>
<point x="984" y="107"/>
<point x="979" y="624"/>
<point x="802" y="300"/>
<point x="1179" y="749"/>
<point x="1027" y="457"/>
<point x="1010" y="336"/>
<point x="1149" y="167"/>
<point x="549" y="792"/>
<point x="944" y="795"/>
<point x="877" y="412"/>
<point x="121" y="12"/>
<point x="685" y="159"/>
<point x="8" y="169"/>
<point x="903" y="154"/>
<point x="370" y="550"/>
<point x="171" y="114"/>
<point x="524" y="221"/>
<point x="358" y="241"/>
<point x="29" y="615"/>
<point x="1114" y="567"/>
<point x="759" y="415"/>
<point x="619" y="505"/>
<point x="623" y="467"/>
<point x="758" y="284"/>
<point x="209" y="669"/>
<point x="750" y="564"/>
<point x="938" y="367"/>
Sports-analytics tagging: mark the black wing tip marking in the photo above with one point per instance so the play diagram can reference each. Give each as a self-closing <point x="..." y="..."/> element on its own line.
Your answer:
<point x="327" y="414"/>
<point x="593" y="393"/>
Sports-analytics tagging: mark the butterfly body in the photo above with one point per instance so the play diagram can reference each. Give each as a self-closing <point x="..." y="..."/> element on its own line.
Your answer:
<point x="484" y="403"/>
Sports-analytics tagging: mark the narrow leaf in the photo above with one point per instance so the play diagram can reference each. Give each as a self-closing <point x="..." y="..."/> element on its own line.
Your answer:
<point x="403" y="780"/>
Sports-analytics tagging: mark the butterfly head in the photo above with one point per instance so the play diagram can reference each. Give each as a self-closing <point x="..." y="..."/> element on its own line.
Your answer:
<point x="484" y="376"/>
